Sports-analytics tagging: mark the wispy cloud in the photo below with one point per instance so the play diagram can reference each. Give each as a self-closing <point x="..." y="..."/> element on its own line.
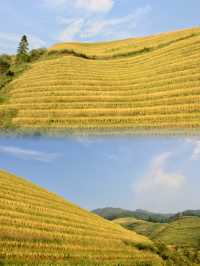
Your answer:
<point x="87" y="5"/>
<point x="27" y="154"/>
<point x="9" y="42"/>
<point x="71" y="30"/>
<point x="87" y="142"/>
<point x="95" y="5"/>
<point x="195" y="143"/>
<point x="103" y="28"/>
<point x="160" y="189"/>
<point x="158" y="177"/>
<point x="116" y="27"/>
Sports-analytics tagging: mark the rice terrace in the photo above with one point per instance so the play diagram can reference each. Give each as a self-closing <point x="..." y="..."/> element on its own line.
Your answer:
<point x="99" y="133"/>
<point x="40" y="228"/>
<point x="122" y="86"/>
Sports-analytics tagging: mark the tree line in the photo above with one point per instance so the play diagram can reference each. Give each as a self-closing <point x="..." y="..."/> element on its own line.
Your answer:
<point x="23" y="55"/>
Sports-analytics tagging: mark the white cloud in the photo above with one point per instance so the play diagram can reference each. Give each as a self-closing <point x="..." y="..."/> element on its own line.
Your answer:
<point x="114" y="27"/>
<point x="29" y="154"/>
<point x="9" y="42"/>
<point x="159" y="177"/>
<point x="159" y="189"/>
<point x="195" y="148"/>
<point x="87" y="5"/>
<point x="87" y="142"/>
<point x="106" y="29"/>
<point x="94" y="5"/>
<point x="71" y="31"/>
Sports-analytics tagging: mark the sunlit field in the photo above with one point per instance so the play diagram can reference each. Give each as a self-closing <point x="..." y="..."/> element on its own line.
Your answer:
<point x="129" y="86"/>
<point x="38" y="227"/>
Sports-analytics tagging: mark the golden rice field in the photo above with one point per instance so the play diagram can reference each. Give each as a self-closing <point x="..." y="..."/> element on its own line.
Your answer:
<point x="149" y="84"/>
<point x="38" y="227"/>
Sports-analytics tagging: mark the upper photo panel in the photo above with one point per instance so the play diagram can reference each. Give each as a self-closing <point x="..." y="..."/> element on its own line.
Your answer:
<point x="99" y="67"/>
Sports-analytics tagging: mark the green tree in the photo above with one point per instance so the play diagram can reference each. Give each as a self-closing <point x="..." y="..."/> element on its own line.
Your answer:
<point x="23" y="50"/>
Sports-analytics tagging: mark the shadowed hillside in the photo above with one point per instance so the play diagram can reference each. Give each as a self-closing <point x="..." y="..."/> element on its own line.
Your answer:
<point x="182" y="231"/>
<point x="124" y="86"/>
<point x="178" y="241"/>
<point x="149" y="229"/>
<point x="40" y="228"/>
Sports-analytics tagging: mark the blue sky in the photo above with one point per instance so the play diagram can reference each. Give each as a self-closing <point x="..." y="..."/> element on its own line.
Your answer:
<point x="158" y="174"/>
<point x="49" y="21"/>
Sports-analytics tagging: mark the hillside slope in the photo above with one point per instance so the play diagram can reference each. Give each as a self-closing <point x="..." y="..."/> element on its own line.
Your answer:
<point x="149" y="229"/>
<point x="182" y="232"/>
<point x="122" y="48"/>
<point x="126" y="86"/>
<point x="38" y="226"/>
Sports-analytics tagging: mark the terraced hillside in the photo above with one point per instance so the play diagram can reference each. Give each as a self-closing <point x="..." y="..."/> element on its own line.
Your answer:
<point x="38" y="227"/>
<point x="184" y="231"/>
<point x="149" y="229"/>
<point x="128" y="86"/>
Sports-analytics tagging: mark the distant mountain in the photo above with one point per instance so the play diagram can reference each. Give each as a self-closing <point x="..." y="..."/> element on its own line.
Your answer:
<point x="186" y="213"/>
<point x="114" y="213"/>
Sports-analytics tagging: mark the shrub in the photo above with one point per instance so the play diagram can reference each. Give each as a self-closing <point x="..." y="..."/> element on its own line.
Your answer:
<point x="36" y="54"/>
<point x="144" y="246"/>
<point x="163" y="251"/>
<point x="5" y="62"/>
